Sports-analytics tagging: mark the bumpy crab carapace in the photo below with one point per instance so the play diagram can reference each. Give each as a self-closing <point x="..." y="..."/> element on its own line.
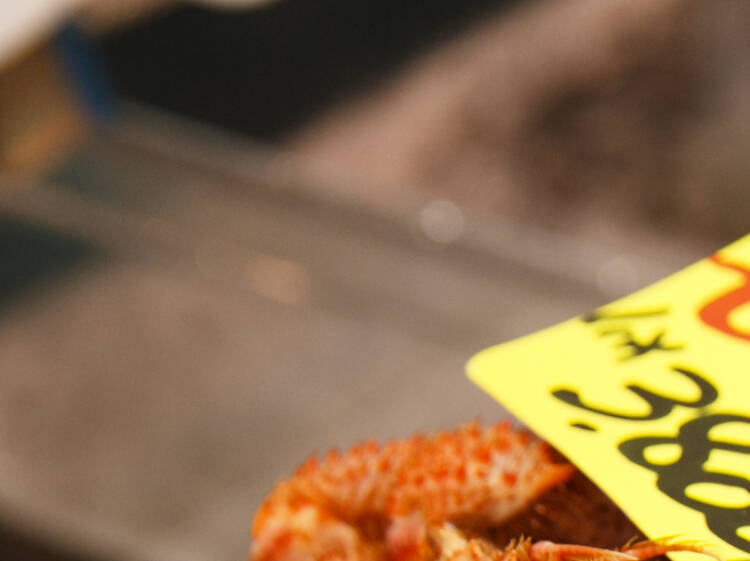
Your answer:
<point x="406" y="501"/>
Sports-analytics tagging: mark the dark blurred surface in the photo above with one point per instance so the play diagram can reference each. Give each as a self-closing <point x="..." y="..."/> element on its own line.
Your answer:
<point x="263" y="72"/>
<point x="33" y="255"/>
<point x="28" y="546"/>
<point x="571" y="115"/>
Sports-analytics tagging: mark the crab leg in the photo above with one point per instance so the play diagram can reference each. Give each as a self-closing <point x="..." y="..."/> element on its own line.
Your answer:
<point x="451" y="545"/>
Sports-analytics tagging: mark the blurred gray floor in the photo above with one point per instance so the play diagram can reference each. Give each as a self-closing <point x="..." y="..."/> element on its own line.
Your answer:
<point x="226" y="323"/>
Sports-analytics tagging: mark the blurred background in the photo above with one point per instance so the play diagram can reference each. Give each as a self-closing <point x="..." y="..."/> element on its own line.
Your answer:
<point x="234" y="233"/>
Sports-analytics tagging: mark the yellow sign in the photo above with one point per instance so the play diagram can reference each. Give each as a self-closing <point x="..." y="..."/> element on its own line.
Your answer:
<point x="650" y="397"/>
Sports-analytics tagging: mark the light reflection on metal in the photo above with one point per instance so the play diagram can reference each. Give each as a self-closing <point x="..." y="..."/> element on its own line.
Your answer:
<point x="441" y="221"/>
<point x="278" y="279"/>
<point x="269" y="276"/>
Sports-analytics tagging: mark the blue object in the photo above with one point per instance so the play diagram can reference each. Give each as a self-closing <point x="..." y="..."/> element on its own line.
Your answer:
<point x="85" y="72"/>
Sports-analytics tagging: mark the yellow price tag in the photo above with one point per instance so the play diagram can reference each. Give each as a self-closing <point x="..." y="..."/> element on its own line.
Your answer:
<point x="650" y="397"/>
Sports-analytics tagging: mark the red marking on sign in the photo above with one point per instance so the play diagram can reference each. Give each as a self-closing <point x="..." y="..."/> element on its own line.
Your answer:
<point x="716" y="313"/>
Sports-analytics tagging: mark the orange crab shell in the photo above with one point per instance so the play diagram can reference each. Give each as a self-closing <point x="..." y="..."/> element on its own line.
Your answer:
<point x="473" y="475"/>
